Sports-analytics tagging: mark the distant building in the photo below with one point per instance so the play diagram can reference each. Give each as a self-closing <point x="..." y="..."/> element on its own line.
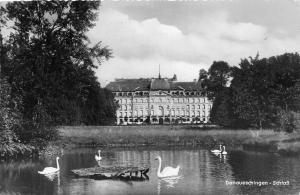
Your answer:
<point x="159" y="101"/>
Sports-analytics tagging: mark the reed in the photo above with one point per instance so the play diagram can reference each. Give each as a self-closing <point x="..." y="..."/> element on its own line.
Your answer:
<point x="158" y="135"/>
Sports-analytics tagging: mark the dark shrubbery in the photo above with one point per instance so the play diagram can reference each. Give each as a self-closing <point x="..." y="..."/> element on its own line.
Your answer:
<point x="49" y="68"/>
<point x="262" y="93"/>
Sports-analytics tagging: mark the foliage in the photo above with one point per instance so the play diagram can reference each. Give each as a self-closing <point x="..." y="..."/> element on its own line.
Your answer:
<point x="9" y="122"/>
<point x="285" y="121"/>
<point x="51" y="63"/>
<point x="218" y="78"/>
<point x="203" y="76"/>
<point x="263" y="92"/>
<point x="222" y="110"/>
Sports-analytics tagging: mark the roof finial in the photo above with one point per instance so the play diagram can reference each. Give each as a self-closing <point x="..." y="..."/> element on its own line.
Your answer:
<point x="159" y="73"/>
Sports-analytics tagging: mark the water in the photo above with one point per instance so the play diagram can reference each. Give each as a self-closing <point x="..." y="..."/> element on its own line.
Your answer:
<point x="201" y="173"/>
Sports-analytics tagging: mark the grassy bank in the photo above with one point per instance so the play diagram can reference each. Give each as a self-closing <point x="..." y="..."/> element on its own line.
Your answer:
<point x="133" y="136"/>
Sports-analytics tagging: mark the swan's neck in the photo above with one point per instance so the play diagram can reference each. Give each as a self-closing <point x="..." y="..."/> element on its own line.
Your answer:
<point x="99" y="153"/>
<point x="224" y="148"/>
<point x="57" y="164"/>
<point x="159" y="167"/>
<point x="220" y="148"/>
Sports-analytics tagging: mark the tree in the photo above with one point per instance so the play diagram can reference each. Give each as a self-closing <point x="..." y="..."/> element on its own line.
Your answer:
<point x="222" y="112"/>
<point x="52" y="61"/>
<point x="265" y="90"/>
<point x="203" y="76"/>
<point x="50" y="65"/>
<point x="250" y="95"/>
<point x="218" y="76"/>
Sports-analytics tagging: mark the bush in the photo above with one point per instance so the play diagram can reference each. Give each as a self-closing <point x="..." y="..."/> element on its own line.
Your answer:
<point x="9" y="122"/>
<point x="286" y="121"/>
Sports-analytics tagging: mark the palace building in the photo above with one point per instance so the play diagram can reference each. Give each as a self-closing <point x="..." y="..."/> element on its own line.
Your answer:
<point x="159" y="101"/>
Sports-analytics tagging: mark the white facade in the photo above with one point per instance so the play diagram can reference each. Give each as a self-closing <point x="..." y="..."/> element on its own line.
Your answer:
<point x="162" y="107"/>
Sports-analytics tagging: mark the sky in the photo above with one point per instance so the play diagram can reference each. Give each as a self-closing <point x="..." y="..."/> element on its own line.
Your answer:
<point x="185" y="36"/>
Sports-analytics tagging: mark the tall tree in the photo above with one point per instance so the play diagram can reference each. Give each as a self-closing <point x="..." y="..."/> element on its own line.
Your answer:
<point x="52" y="61"/>
<point x="219" y="74"/>
<point x="264" y="90"/>
<point x="203" y="76"/>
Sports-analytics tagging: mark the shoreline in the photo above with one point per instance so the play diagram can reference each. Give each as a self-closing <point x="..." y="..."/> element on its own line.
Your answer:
<point x="179" y="136"/>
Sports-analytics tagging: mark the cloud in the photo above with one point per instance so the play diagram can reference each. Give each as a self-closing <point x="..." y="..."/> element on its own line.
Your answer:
<point x="139" y="46"/>
<point x="146" y="68"/>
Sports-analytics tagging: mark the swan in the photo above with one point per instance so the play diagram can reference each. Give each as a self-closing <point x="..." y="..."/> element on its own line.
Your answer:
<point x="98" y="157"/>
<point x="50" y="170"/>
<point x="223" y="151"/>
<point x="168" y="171"/>
<point x="217" y="151"/>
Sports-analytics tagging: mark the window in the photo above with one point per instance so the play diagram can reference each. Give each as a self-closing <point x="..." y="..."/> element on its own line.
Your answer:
<point x="193" y="107"/>
<point x="173" y="112"/>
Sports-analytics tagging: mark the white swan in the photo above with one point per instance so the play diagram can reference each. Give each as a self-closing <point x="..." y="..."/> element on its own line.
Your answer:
<point x="50" y="170"/>
<point x="168" y="171"/>
<point x="217" y="151"/>
<point x="224" y="151"/>
<point x="98" y="157"/>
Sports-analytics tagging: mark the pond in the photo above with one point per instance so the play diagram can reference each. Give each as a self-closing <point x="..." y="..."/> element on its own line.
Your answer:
<point x="201" y="173"/>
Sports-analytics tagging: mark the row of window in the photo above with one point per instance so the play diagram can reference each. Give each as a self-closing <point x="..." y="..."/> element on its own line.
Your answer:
<point x="161" y="100"/>
<point x="166" y="120"/>
<point x="168" y="113"/>
<point x="193" y="107"/>
<point x="146" y="93"/>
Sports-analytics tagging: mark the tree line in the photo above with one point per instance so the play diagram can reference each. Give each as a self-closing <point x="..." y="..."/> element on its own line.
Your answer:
<point x="258" y="93"/>
<point x="47" y="69"/>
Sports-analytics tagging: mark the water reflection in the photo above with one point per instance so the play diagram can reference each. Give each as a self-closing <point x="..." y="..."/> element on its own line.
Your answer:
<point x="168" y="182"/>
<point x="201" y="173"/>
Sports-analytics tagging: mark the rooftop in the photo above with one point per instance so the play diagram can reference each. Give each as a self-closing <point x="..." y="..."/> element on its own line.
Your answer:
<point x="147" y="84"/>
